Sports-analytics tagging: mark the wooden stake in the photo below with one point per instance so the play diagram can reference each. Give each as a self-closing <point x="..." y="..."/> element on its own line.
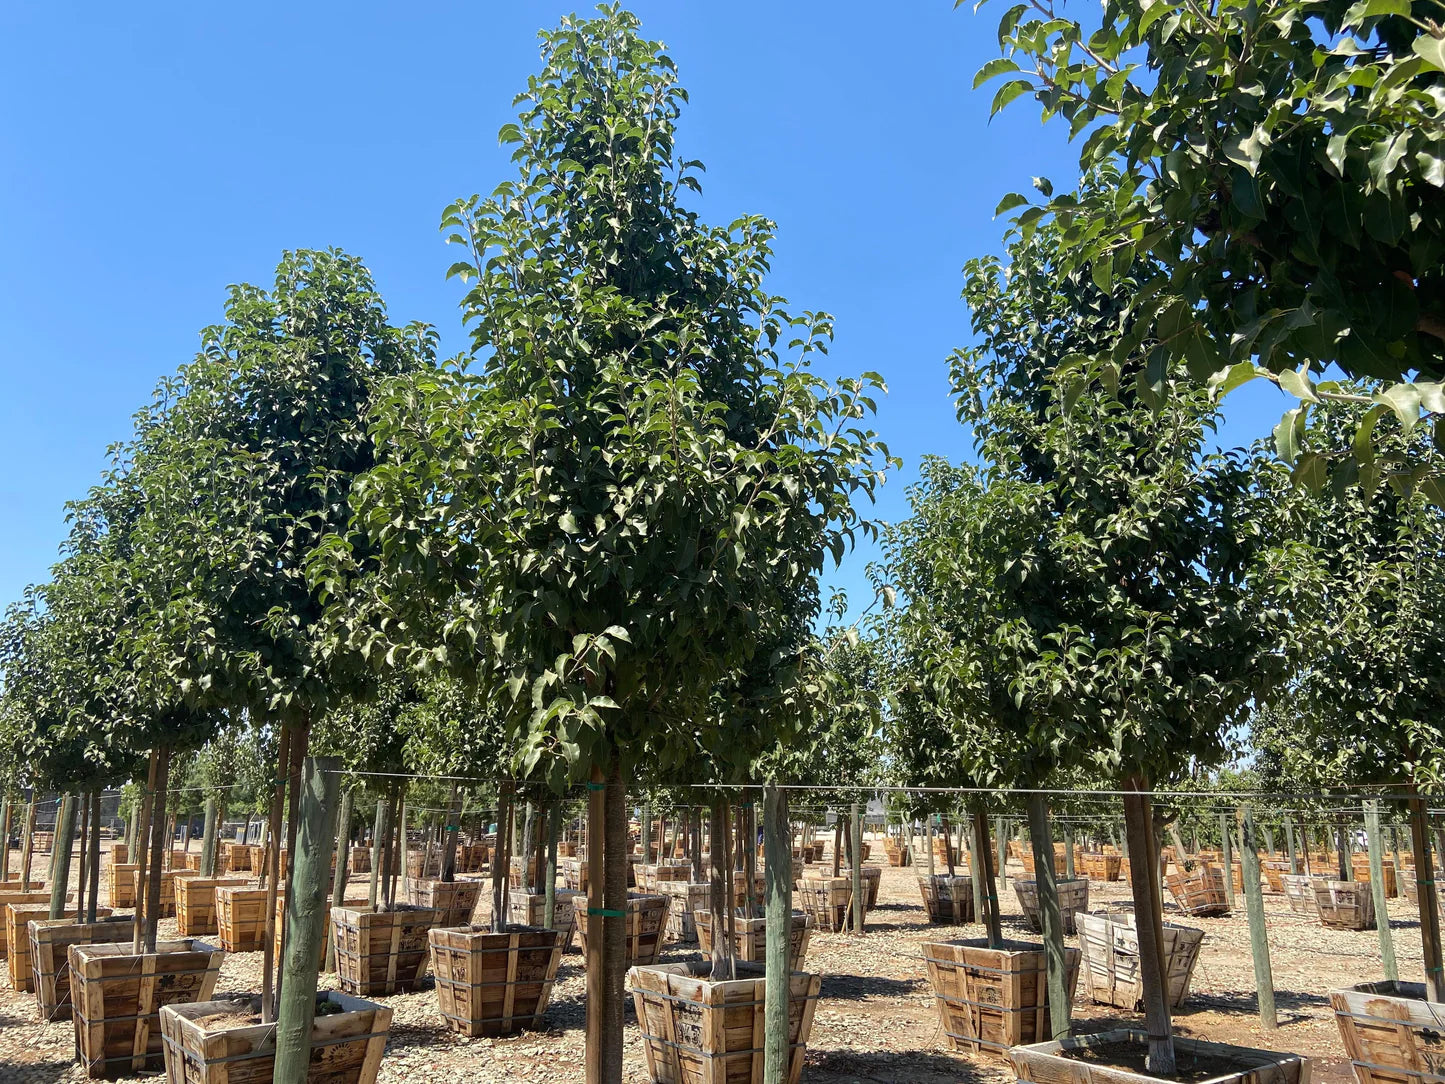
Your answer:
<point x="379" y="831"/>
<point x="778" y="871"/>
<point x="859" y="900"/>
<point x="27" y="839"/>
<point x="306" y="909"/>
<point x="90" y="913"/>
<point x="1144" y="879"/>
<point x="63" y="842"/>
<point x="208" y="838"/>
<point x="142" y="851"/>
<point x="84" y="803"/>
<point x="1377" y="890"/>
<point x="343" y="861"/>
<point x="1254" y="905"/>
<point x="1427" y="894"/>
<point x="1050" y="918"/>
<point x="1002" y="856"/>
<point x="160" y="843"/>
<point x="1226" y="856"/>
<point x="5" y="809"/>
<point x="549" y="883"/>
<point x="991" y="920"/>
<point x="271" y="874"/>
<point x="1290" y="849"/>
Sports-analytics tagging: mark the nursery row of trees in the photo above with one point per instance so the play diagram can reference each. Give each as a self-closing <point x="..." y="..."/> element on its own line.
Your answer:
<point x="587" y="551"/>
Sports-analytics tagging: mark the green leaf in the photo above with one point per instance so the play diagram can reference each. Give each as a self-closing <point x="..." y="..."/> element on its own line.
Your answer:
<point x="999" y="65"/>
<point x="1007" y="93"/>
<point x="1374" y="9"/>
<point x="1298" y="384"/>
<point x="1404" y="400"/>
<point x="1009" y="202"/>
<point x="1287" y="435"/>
<point x="1237" y="375"/>
<point x="1430" y="49"/>
<point x="1245" y="150"/>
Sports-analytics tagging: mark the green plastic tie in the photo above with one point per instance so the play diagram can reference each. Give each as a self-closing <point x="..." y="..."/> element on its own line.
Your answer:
<point x="596" y="786"/>
<point x="605" y="913"/>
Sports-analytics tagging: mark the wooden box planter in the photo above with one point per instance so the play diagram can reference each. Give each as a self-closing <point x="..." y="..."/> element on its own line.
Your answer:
<point x="1345" y="905"/>
<point x="420" y="864"/>
<point x="494" y="983"/>
<point x="1360" y="865"/>
<point x="166" y="904"/>
<point x="1299" y="890"/>
<point x="50" y="941"/>
<point x="241" y="917"/>
<point x="1274" y="874"/>
<point x="530" y="908"/>
<point x="196" y="904"/>
<point x="1073" y="898"/>
<point x="1109" y="945"/>
<point x="695" y="1031"/>
<point x="360" y="859"/>
<point x="948" y="900"/>
<point x="223" y="862"/>
<point x="120" y="884"/>
<point x="279" y="938"/>
<point x="1390" y="1032"/>
<point x="992" y="999"/>
<point x="521" y="873"/>
<point x="18" y="917"/>
<point x="118" y="995"/>
<point x="750" y="936"/>
<point x="828" y="900"/>
<point x="119" y="852"/>
<point x="894" y="850"/>
<point x="381" y="952"/>
<point x="454" y="901"/>
<point x="688" y="897"/>
<point x="1102" y="867"/>
<point x="238" y="857"/>
<point x="213" y="1042"/>
<point x="651" y="878"/>
<point x="1051" y="1063"/>
<point x="574" y="873"/>
<point x="646" y="927"/>
<point x="1200" y="893"/>
<point x="872" y="881"/>
<point x="17" y="895"/>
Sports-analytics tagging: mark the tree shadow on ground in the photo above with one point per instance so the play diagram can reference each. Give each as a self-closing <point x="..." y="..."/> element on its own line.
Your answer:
<point x="1291" y="1005"/>
<point x="861" y="987"/>
<point x="891" y="1066"/>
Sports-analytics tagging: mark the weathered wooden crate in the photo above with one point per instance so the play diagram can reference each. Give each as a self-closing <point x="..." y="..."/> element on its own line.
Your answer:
<point x="530" y="909"/>
<point x="120" y="882"/>
<point x="1360" y="865"/>
<point x="1073" y="898"/>
<point x="947" y="900"/>
<point x="196" y="904"/>
<point x="1200" y="893"/>
<point x="166" y="903"/>
<point x="1102" y="867"/>
<point x="421" y="864"/>
<point x="18" y="917"/>
<point x="119" y="852"/>
<point x="223" y="861"/>
<point x="574" y="873"/>
<point x="1274" y="873"/>
<point x="1391" y="1033"/>
<point x="238" y="857"/>
<point x="895" y="851"/>
<point x="1085" y="1058"/>
<point x="522" y="873"/>
<point x="1345" y="905"/>
<point x="454" y="901"/>
<point x="15" y="894"/>
<point x="381" y="952"/>
<point x="750" y="936"/>
<point x="991" y="999"/>
<point x="646" y="926"/>
<point x="278" y="935"/>
<point x="872" y="881"/>
<point x="1109" y="945"/>
<point x="50" y="940"/>
<point x="651" y="878"/>
<point x="828" y="900"/>
<point x="688" y="897"/>
<point x="1299" y="890"/>
<point x="695" y="1031"/>
<point x="241" y="917"/>
<point x="224" y="1042"/>
<point x="494" y="983"/>
<point x="118" y="996"/>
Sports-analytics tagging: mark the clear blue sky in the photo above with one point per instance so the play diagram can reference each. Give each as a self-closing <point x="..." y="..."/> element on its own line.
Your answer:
<point x="154" y="153"/>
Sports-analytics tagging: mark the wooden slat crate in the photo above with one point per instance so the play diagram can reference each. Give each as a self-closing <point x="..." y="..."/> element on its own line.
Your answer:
<point x="1361" y="870"/>
<point x="1073" y="898"/>
<point x="205" y="1044"/>
<point x="1109" y="945"/>
<point x="119" y="852"/>
<point x="196" y="904"/>
<point x="120" y="884"/>
<point x="223" y="861"/>
<point x="241" y="917"/>
<point x="118" y="997"/>
<point x="992" y="999"/>
<point x="1102" y="867"/>
<point x="574" y="873"/>
<point x="11" y="892"/>
<point x="167" y="900"/>
<point x="688" y="897"/>
<point x="530" y="908"/>
<point x="50" y="941"/>
<point x="420" y="864"/>
<point x="1051" y="1063"/>
<point x="894" y="850"/>
<point x="1391" y="1033"/>
<point x="650" y="878"/>
<point x="1299" y="890"/>
<point x="1200" y="893"/>
<point x="646" y="926"/>
<point x="695" y="1031"/>
<point x="827" y="900"/>
<point x="278" y="936"/>
<point x="238" y="857"/>
<point x="381" y="952"/>
<point x="494" y="983"/>
<point x="948" y="900"/>
<point x="750" y="936"/>
<point x="454" y="901"/>
<point x="1345" y="905"/>
<point x="521" y="873"/>
<point x="1274" y="873"/>
<point x="872" y="881"/>
<point x="17" y="919"/>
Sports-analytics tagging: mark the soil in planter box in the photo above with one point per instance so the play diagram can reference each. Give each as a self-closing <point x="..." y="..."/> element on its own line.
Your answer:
<point x="1191" y="1065"/>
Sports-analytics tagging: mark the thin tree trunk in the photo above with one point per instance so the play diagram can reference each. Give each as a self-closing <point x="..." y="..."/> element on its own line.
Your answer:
<point x="614" y="929"/>
<point x="1144" y="880"/>
<point x="159" y="844"/>
<point x="837" y="843"/>
<point x="502" y="857"/>
<point x="142" y="851"/>
<point x="90" y="913"/>
<point x="5" y="810"/>
<point x="992" y="922"/>
<point x="1050" y="919"/>
<point x="453" y="830"/>
<point x="27" y="842"/>
<point x="380" y="832"/>
<point x="549" y="882"/>
<point x="343" y="855"/>
<point x="84" y="800"/>
<point x="1377" y="889"/>
<point x="208" y="839"/>
<point x="63" y="841"/>
<point x="271" y="875"/>
<point x="1254" y="905"/>
<point x="860" y="901"/>
<point x="778" y="862"/>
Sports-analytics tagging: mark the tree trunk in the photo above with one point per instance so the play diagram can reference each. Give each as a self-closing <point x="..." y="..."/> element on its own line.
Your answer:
<point x="1290" y="849"/>
<point x="1377" y="889"/>
<point x="453" y="829"/>
<point x="837" y="844"/>
<point x="208" y="839"/>
<point x="84" y="801"/>
<point x="1342" y="851"/>
<point x="1144" y="880"/>
<point x="992" y="922"/>
<point x="314" y="816"/>
<point x="271" y="875"/>
<point x="300" y="742"/>
<point x="142" y="851"/>
<point x="27" y="841"/>
<point x="1427" y="896"/>
<point x="549" y="881"/>
<point x="1050" y="918"/>
<point x="859" y="899"/>
<point x="947" y="828"/>
<point x="5" y="809"/>
<point x="778" y="863"/>
<point x="1226" y="856"/>
<point x="501" y="858"/>
<point x="90" y="913"/>
<point x="380" y="832"/>
<point x="63" y="843"/>
<point x="159" y="844"/>
<point x="343" y="858"/>
<point x="975" y="872"/>
<point x="1002" y="856"/>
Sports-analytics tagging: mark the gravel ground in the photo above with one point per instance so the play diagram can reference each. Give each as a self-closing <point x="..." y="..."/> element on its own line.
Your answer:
<point x="875" y="1020"/>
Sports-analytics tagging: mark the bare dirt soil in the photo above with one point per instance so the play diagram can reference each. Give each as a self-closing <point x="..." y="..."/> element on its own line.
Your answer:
<point x="876" y="1019"/>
